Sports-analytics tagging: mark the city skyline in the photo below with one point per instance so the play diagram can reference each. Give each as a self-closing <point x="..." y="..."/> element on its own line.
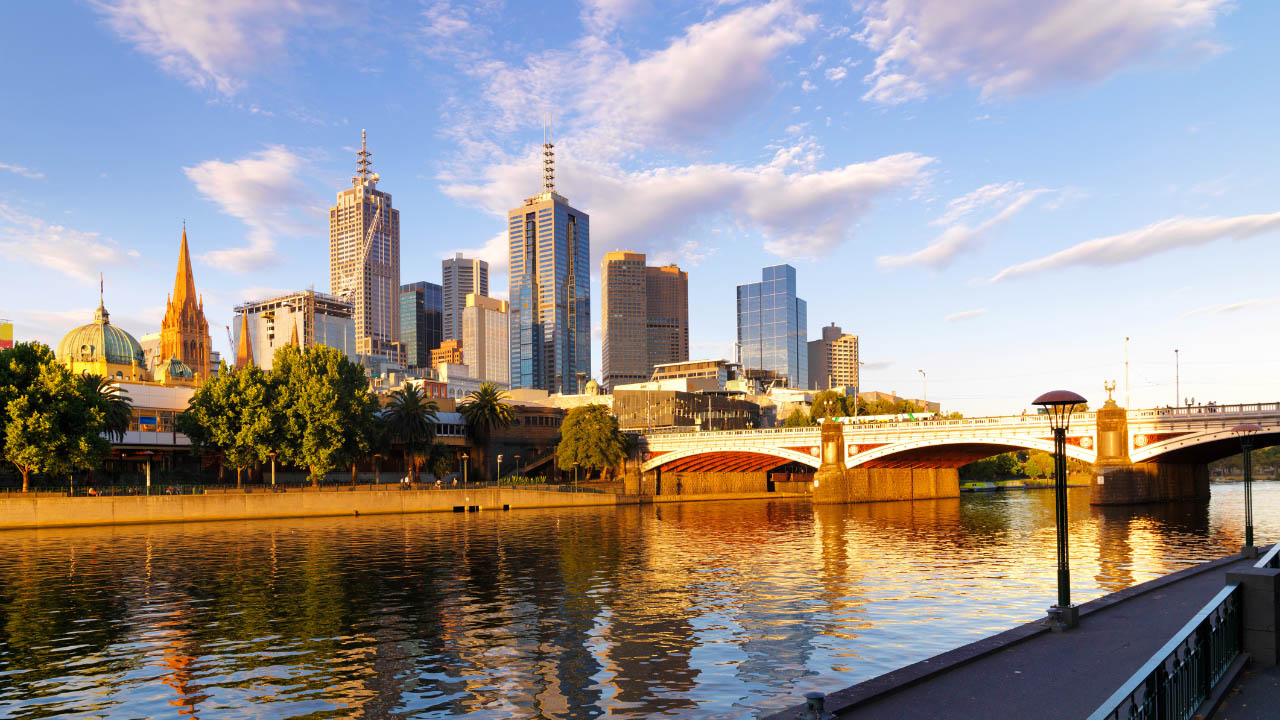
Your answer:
<point x="941" y="216"/>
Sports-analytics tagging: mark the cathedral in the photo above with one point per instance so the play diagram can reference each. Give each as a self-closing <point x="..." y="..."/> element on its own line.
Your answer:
<point x="184" y="334"/>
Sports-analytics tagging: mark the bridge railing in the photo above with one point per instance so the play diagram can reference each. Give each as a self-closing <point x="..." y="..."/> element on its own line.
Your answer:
<point x="1198" y="410"/>
<point x="873" y="425"/>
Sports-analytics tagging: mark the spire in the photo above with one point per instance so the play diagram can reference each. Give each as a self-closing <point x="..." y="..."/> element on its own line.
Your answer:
<point x="244" y="353"/>
<point x="293" y="339"/>
<point x="362" y="159"/>
<point x="548" y="157"/>
<point x="101" y="316"/>
<point x="184" y="285"/>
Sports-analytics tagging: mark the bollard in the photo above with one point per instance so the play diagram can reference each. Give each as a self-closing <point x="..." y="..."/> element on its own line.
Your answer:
<point x="815" y="706"/>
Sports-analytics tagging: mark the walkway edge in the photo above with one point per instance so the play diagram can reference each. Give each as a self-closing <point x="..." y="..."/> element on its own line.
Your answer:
<point x="904" y="677"/>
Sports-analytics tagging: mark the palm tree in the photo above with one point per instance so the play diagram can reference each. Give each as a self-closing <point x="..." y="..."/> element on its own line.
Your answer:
<point x="116" y="405"/>
<point x="411" y="418"/>
<point x="485" y="411"/>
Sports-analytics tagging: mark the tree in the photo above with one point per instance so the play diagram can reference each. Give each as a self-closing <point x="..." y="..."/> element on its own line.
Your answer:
<point x="438" y="459"/>
<point x="235" y="415"/>
<point x="116" y="405"/>
<point x="798" y="418"/>
<point x="324" y="408"/>
<point x="590" y="437"/>
<point x="485" y="412"/>
<point x="827" y="403"/>
<point x="411" y="419"/>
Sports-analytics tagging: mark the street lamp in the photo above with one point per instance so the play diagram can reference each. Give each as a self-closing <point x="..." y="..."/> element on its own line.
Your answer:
<point x="1059" y="404"/>
<point x="1177" y="378"/>
<point x="464" y="459"/>
<point x="1245" y="432"/>
<point x="924" y="382"/>
<point x="517" y="466"/>
<point x="273" y="467"/>
<point x="575" y="475"/>
<point x="377" y="468"/>
<point x="499" y="471"/>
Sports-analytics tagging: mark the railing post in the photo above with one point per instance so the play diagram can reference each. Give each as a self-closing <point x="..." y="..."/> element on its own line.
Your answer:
<point x="1161" y="707"/>
<point x="815" y="706"/>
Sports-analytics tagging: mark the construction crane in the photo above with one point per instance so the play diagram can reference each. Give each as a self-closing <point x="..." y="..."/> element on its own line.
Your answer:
<point x="347" y="290"/>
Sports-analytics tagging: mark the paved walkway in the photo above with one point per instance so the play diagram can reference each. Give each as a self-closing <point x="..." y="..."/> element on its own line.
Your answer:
<point x="1030" y="672"/>
<point x="1254" y="696"/>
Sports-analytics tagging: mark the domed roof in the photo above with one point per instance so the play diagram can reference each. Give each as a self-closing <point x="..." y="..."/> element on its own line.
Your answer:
<point x="103" y="341"/>
<point x="592" y="388"/>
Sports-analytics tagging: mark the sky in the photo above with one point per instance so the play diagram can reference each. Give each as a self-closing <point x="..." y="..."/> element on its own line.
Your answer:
<point x="994" y="193"/>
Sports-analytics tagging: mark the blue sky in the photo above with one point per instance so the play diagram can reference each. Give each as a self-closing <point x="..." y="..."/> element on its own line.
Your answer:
<point x="994" y="192"/>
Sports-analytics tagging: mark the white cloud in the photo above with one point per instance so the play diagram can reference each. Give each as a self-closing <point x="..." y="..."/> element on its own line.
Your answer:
<point x="808" y="86"/>
<point x="602" y="16"/>
<point x="1232" y="307"/>
<point x="1171" y="234"/>
<point x="20" y="170"/>
<point x="964" y="315"/>
<point x="836" y="74"/>
<point x="1005" y="199"/>
<point x="211" y="44"/>
<point x="1005" y="47"/>
<point x="264" y="191"/>
<point x="79" y="255"/>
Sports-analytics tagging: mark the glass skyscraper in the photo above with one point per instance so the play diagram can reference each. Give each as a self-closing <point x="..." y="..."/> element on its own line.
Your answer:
<point x="773" y="329"/>
<point x="421" y="322"/>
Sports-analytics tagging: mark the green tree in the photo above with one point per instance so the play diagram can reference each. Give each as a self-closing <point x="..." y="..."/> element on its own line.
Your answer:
<point x="438" y="459"/>
<point x="798" y="418"/>
<point x="485" y="411"/>
<point x="410" y="418"/>
<point x="827" y="403"/>
<point x="235" y="415"/>
<point x="116" y="405"/>
<point x="590" y="437"/>
<point x="325" y="411"/>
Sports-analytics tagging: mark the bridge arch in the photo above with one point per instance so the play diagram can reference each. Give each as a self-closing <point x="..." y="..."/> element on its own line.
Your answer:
<point x="954" y="452"/>
<point x="1199" y="447"/>
<point x="731" y="455"/>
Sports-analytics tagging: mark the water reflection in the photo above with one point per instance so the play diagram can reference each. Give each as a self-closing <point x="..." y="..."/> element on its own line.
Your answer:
<point x="684" y="610"/>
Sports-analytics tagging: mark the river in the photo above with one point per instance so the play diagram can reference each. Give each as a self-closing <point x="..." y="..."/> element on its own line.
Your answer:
<point x="699" y="610"/>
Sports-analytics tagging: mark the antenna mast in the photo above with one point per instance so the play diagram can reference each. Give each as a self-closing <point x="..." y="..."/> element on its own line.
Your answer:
<point x="548" y="156"/>
<point x="363" y="162"/>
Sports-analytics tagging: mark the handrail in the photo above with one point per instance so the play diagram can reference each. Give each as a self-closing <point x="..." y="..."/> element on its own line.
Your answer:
<point x="1179" y="676"/>
<point x="1270" y="559"/>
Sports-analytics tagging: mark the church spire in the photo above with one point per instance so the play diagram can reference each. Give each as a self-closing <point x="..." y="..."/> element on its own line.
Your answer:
<point x="244" y="353"/>
<point x="184" y="284"/>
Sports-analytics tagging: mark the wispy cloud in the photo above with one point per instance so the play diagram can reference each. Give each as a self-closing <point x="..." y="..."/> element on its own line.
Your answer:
<point x="1232" y="307"/>
<point x="1005" y="47"/>
<point x="264" y="191"/>
<point x="1160" y="237"/>
<point x="965" y="315"/>
<point x="1004" y="199"/>
<point x="20" y="170"/>
<point x="26" y="239"/>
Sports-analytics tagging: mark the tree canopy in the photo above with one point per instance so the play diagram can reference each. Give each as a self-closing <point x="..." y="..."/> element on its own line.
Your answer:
<point x="411" y="419"/>
<point x="590" y="437"/>
<point x="324" y="408"/>
<point x="234" y="414"/>
<point x="485" y="411"/>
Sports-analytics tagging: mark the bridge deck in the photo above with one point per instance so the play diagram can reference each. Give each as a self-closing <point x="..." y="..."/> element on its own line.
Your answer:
<point x="1030" y="672"/>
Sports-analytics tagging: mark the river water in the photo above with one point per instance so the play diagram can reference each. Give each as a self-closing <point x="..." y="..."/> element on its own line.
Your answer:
<point x="700" y="610"/>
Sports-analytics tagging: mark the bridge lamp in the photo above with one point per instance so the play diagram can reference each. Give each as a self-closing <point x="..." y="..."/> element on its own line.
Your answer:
<point x="1245" y="432"/>
<point x="1059" y="404"/>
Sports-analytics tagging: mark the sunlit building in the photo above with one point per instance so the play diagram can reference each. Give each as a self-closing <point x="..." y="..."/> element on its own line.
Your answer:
<point x="184" y="333"/>
<point x="303" y="318"/>
<point x="485" y="350"/>
<point x="833" y="359"/>
<point x="644" y="317"/>
<point x="101" y="348"/>
<point x="772" y="329"/>
<point x="460" y="277"/>
<point x="421" y="322"/>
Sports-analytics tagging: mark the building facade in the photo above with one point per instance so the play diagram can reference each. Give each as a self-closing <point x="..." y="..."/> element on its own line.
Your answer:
<point x="303" y="318"/>
<point x="184" y="332"/>
<point x="645" y="317"/>
<point x="449" y="352"/>
<point x="364" y="260"/>
<point x="485" y="350"/>
<point x="549" y="252"/>
<point x="461" y="277"/>
<point x="421" y="322"/>
<point x="833" y="359"/>
<point x="772" y="336"/>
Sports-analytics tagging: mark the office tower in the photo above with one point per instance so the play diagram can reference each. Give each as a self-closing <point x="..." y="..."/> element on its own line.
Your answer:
<point x="449" y="352"/>
<point x="645" y="317"/>
<point x="302" y="318"/>
<point x="461" y="277"/>
<point x="833" y="360"/>
<point x="421" y="322"/>
<point x="364" y="260"/>
<point x="550" y="296"/>
<point x="772" y="324"/>
<point x="485" y="350"/>
<point x="184" y="332"/>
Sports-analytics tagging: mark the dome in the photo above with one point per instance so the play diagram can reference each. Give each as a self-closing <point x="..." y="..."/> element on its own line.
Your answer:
<point x="592" y="388"/>
<point x="101" y="341"/>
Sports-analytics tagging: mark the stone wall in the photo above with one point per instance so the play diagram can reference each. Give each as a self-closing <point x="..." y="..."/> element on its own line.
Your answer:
<point x="1149" y="482"/>
<point x="859" y="485"/>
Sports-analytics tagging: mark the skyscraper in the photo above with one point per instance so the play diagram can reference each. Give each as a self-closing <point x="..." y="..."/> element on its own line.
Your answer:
<point x="303" y="318"/>
<point x="645" y="318"/>
<point x="550" y="298"/>
<point x="364" y="260"/>
<point x="772" y="329"/>
<point x="833" y="359"/>
<point x="420" y="322"/>
<point x="485" y="349"/>
<point x="184" y="332"/>
<point x="461" y="277"/>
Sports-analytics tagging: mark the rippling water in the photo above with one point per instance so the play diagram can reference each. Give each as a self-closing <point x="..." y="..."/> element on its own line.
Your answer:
<point x="705" y="610"/>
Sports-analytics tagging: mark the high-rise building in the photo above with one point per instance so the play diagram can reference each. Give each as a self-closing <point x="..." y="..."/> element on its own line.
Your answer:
<point x="303" y="318"/>
<point x="833" y="359"/>
<point x="549" y="251"/>
<point x="461" y="277"/>
<point x="364" y="260"/>
<point x="421" y="318"/>
<point x="772" y="329"/>
<point x="184" y="332"/>
<point x="645" y="317"/>
<point x="449" y="353"/>
<point x="485" y="350"/>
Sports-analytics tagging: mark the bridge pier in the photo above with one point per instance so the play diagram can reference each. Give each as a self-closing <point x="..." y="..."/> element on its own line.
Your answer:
<point x="1117" y="480"/>
<point x="836" y="484"/>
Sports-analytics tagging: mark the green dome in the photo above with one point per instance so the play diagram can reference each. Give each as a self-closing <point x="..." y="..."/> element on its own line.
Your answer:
<point x="101" y="341"/>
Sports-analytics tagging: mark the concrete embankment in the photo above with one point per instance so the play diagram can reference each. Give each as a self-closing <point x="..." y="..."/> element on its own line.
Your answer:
<point x="17" y="511"/>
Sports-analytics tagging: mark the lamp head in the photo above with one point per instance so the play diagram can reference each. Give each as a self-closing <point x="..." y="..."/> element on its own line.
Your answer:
<point x="1059" y="404"/>
<point x="1245" y="430"/>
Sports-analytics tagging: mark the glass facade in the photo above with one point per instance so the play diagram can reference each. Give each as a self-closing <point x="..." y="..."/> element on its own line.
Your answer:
<point x="421" y="321"/>
<point x="773" y="327"/>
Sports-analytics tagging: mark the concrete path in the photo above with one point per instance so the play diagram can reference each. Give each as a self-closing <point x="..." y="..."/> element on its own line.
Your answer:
<point x="1254" y="696"/>
<point x="1030" y="672"/>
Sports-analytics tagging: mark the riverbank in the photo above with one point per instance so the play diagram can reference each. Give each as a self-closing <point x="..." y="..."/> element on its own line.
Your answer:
<point x="46" y="511"/>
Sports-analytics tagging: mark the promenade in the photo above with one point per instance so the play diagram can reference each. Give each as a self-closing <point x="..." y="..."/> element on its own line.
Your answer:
<point x="1032" y="672"/>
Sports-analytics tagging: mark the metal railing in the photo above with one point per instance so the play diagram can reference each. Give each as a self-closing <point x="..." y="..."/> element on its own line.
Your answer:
<point x="391" y="485"/>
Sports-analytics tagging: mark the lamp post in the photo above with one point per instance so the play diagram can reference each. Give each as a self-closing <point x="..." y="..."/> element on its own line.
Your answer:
<point x="517" y="466"/>
<point x="575" y="475"/>
<point x="464" y="457"/>
<point x="1177" y="378"/>
<point x="1059" y="404"/>
<point x="1245" y="432"/>
<point x="499" y="471"/>
<point x="924" y="381"/>
<point x="377" y="468"/>
<point x="149" y="453"/>
<point x="273" y="467"/>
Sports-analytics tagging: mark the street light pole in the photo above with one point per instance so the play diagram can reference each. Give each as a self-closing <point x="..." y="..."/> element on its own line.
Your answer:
<point x="924" y="380"/>
<point x="1177" y="379"/>
<point x="1060" y="404"/>
<point x="464" y="458"/>
<point x="273" y="468"/>
<point x="1245" y="432"/>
